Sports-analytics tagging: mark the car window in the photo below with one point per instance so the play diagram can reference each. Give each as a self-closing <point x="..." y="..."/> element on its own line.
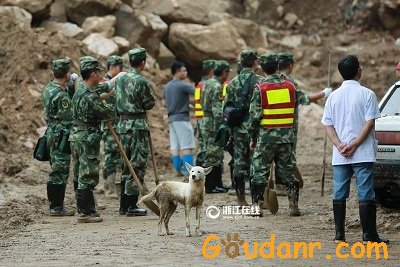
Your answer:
<point x="391" y="106"/>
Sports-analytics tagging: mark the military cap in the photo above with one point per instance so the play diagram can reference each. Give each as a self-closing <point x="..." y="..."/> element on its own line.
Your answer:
<point x="114" y="60"/>
<point x="248" y="55"/>
<point x="137" y="54"/>
<point x="208" y="64"/>
<point x="268" y="58"/>
<point x="222" y="65"/>
<point x="89" y="63"/>
<point x="60" y="65"/>
<point x="286" y="57"/>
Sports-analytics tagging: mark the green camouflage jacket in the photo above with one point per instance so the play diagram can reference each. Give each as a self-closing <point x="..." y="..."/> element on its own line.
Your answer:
<point x="111" y="100"/>
<point x="212" y="104"/>
<point x="260" y="133"/>
<point x="134" y="97"/>
<point x="234" y="95"/>
<point x="57" y="104"/>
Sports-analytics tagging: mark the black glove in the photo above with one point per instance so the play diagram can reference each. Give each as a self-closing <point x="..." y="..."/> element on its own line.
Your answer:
<point x="223" y="136"/>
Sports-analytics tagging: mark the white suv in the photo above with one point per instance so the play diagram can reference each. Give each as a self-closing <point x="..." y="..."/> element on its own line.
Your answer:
<point x="387" y="167"/>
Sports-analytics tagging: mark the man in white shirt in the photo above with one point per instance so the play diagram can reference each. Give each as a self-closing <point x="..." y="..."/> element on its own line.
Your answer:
<point x="349" y="119"/>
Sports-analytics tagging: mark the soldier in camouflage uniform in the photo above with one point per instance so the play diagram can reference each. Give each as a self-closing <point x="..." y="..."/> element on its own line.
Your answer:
<point x="271" y="133"/>
<point x="286" y="65"/>
<point x="241" y="139"/>
<point x="208" y="71"/>
<point x="134" y="98"/>
<point x="112" y="156"/>
<point x="88" y="112"/>
<point x="211" y="101"/>
<point x="58" y="114"/>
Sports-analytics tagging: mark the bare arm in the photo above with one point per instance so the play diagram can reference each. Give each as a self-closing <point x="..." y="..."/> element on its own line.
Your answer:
<point x="314" y="97"/>
<point x="331" y="132"/>
<point x="352" y="147"/>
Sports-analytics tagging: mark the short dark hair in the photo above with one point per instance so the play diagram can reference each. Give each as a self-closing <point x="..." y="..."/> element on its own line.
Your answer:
<point x="86" y="73"/>
<point x="247" y="63"/>
<point x="110" y="64"/>
<point x="176" y="66"/>
<point x="284" y="65"/>
<point x="218" y="72"/>
<point x="348" y="67"/>
<point x="59" y="75"/>
<point x="136" y="62"/>
<point x="270" y="67"/>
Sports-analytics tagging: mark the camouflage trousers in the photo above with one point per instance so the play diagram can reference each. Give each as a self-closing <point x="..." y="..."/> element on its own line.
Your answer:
<point x="136" y="146"/>
<point x="263" y="157"/>
<point x="202" y="143"/>
<point x="241" y="154"/>
<point x="112" y="156"/>
<point x="214" y="153"/>
<point x="59" y="161"/>
<point x="293" y="158"/>
<point x="85" y="154"/>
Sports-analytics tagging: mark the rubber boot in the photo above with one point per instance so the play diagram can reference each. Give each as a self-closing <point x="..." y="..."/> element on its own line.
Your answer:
<point x="56" y="192"/>
<point x="219" y="182"/>
<point x="210" y="183"/>
<point x="293" y="196"/>
<point x="367" y="209"/>
<point x="240" y="188"/>
<point x="257" y="197"/>
<point x="133" y="209"/>
<point x="122" y="200"/>
<point x="187" y="158"/>
<point x="85" y="202"/>
<point x="339" y="215"/>
<point x="176" y="163"/>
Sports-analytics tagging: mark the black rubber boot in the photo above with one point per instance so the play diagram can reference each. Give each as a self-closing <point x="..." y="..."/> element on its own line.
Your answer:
<point x="240" y="188"/>
<point x="133" y="209"/>
<point x="219" y="184"/>
<point x="257" y="197"/>
<point x="293" y="197"/>
<point x="367" y="209"/>
<point x="84" y="201"/>
<point x="122" y="200"/>
<point x="51" y="195"/>
<point x="210" y="182"/>
<point x="339" y="215"/>
<point x="56" y="194"/>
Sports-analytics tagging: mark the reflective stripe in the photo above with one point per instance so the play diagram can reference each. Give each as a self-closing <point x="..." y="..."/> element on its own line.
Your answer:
<point x="199" y="113"/>
<point x="197" y="92"/>
<point x="276" y="121"/>
<point x="197" y="106"/>
<point x="278" y="111"/>
<point x="278" y="96"/>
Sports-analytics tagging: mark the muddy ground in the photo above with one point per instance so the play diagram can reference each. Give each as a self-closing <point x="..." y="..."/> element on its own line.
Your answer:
<point x="31" y="238"/>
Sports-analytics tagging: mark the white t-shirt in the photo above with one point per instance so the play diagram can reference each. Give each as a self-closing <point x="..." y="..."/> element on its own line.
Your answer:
<point x="347" y="109"/>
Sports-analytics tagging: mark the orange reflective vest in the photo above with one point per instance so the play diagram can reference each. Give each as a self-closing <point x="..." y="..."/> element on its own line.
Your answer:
<point x="224" y="86"/>
<point x="198" y="109"/>
<point x="278" y="102"/>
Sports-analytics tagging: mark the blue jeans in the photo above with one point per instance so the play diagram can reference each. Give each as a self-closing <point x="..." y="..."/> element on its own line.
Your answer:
<point x="364" y="173"/>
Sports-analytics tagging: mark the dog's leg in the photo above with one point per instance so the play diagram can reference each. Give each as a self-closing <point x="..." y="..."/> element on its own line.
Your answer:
<point x="198" y="216"/>
<point x="163" y="212"/>
<point x="187" y="211"/>
<point x="171" y="210"/>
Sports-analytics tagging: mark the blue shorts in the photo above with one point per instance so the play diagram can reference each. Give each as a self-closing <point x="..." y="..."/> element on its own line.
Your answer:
<point x="181" y="135"/>
<point x="364" y="173"/>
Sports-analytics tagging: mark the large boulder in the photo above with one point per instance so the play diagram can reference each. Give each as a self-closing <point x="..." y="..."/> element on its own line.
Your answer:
<point x="79" y="10"/>
<point x="38" y="8"/>
<point x="104" y="25"/>
<point x="65" y="28"/>
<point x="22" y="17"/>
<point x="100" y="45"/>
<point x="123" y="44"/>
<point x="166" y="57"/>
<point x="141" y="27"/>
<point x="389" y="11"/>
<point x="194" y="43"/>
<point x="58" y="11"/>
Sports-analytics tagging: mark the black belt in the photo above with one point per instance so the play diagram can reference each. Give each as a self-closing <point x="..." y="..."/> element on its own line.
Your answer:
<point x="133" y="116"/>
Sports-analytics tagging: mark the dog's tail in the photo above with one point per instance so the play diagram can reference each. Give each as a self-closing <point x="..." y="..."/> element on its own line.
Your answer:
<point x="148" y="201"/>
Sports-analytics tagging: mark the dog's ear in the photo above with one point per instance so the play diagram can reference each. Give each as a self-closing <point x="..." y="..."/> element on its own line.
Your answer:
<point x="188" y="166"/>
<point x="208" y="170"/>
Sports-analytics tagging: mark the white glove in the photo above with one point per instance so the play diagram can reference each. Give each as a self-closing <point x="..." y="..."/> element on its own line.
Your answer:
<point x="74" y="76"/>
<point x="327" y="91"/>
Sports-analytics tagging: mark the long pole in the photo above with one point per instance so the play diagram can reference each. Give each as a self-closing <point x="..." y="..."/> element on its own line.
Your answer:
<point x="153" y="158"/>
<point x="326" y="136"/>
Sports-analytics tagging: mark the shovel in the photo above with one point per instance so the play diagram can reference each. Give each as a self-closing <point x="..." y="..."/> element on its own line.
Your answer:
<point x="270" y="197"/>
<point x="150" y="204"/>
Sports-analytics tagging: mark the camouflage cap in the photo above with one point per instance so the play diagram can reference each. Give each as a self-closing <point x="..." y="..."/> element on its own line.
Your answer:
<point x="222" y="65"/>
<point x="60" y="65"/>
<point x="89" y="63"/>
<point x="286" y="57"/>
<point x="248" y="55"/>
<point x="137" y="54"/>
<point x="209" y="64"/>
<point x="114" y="60"/>
<point x="268" y="58"/>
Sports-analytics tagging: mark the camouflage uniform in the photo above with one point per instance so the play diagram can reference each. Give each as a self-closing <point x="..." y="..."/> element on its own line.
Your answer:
<point x="112" y="156"/>
<point x="58" y="114"/>
<point x="211" y="101"/>
<point x="273" y="145"/>
<point x="134" y="97"/>
<point x="88" y="112"/>
<point x="241" y="139"/>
